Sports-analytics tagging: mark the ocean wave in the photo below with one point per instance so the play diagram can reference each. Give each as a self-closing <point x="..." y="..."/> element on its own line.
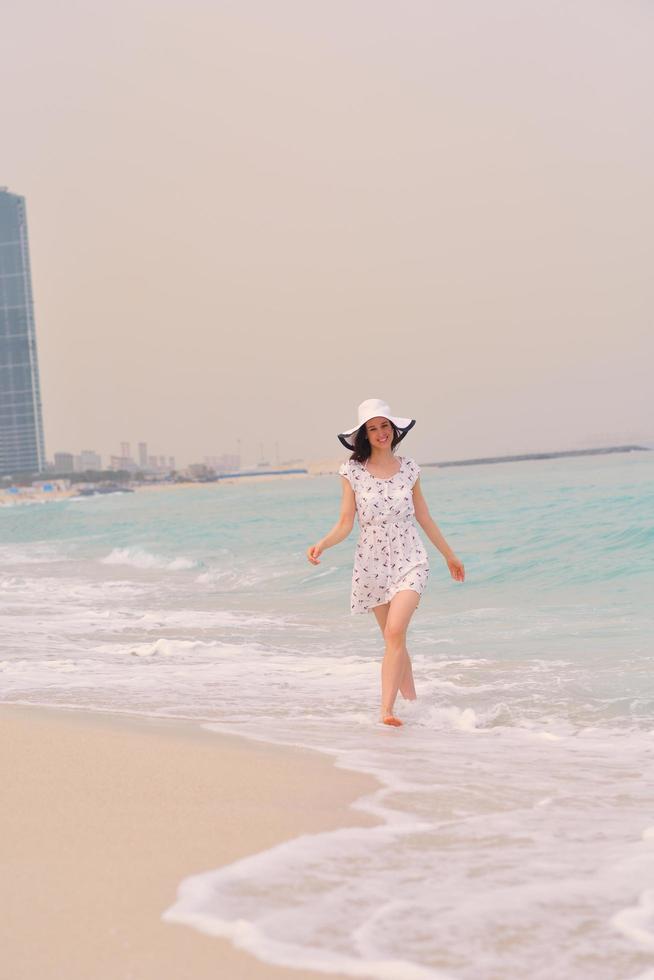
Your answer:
<point x="139" y="558"/>
<point x="165" y="648"/>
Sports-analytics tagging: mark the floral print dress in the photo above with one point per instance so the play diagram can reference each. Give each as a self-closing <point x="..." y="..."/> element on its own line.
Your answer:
<point x="390" y="555"/>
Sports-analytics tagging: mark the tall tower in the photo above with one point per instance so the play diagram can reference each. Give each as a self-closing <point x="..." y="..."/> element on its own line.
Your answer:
<point x="22" y="447"/>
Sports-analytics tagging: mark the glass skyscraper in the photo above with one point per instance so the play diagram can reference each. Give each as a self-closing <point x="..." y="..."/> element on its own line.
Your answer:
<point x="21" y="426"/>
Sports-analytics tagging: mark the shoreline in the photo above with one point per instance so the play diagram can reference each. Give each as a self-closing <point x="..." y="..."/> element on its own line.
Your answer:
<point x="52" y="496"/>
<point x="105" y="814"/>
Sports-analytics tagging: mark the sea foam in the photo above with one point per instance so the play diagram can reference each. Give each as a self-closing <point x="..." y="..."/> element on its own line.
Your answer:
<point x="139" y="558"/>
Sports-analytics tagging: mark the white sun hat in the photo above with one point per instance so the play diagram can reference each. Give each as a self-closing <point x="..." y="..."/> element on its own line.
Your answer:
<point x="370" y="409"/>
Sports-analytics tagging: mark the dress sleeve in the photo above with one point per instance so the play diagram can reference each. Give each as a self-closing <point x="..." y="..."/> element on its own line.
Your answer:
<point x="344" y="470"/>
<point x="414" y="471"/>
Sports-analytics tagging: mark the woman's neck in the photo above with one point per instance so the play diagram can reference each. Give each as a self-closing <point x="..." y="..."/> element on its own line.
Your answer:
<point x="381" y="457"/>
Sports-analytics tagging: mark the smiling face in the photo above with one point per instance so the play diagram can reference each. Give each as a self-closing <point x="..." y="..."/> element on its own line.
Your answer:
<point x="380" y="432"/>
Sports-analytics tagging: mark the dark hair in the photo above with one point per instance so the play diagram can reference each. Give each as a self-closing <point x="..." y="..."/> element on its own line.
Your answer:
<point x="362" y="443"/>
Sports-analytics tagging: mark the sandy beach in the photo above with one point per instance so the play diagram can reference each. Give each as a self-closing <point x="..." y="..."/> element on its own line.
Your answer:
<point x="103" y="815"/>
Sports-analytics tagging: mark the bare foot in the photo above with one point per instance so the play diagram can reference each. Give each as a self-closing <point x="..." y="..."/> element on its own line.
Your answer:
<point x="392" y="720"/>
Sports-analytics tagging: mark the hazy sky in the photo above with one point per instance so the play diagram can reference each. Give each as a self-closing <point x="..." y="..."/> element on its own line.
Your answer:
<point x="247" y="217"/>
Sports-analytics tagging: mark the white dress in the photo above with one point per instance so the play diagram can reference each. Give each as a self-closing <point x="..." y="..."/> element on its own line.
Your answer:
<point x="390" y="555"/>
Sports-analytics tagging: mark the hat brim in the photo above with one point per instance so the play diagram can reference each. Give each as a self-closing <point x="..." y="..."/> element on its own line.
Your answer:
<point x="403" y="425"/>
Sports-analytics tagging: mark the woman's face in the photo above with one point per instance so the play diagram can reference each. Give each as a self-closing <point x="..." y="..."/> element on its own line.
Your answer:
<point x="380" y="432"/>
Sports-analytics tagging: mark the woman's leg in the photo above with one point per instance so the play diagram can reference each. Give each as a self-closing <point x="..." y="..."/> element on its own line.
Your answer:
<point x="407" y="686"/>
<point x="401" y="608"/>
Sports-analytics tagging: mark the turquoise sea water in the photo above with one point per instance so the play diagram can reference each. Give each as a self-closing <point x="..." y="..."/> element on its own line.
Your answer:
<point x="516" y="805"/>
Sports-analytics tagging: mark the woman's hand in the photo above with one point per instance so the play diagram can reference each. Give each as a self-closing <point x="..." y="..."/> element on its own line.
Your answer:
<point x="314" y="552"/>
<point x="456" y="568"/>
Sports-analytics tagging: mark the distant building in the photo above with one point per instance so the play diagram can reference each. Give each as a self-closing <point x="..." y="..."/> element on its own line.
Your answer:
<point x="226" y="463"/>
<point x="159" y="464"/>
<point x="198" y="470"/>
<point x="22" y="447"/>
<point x="88" y="460"/>
<point x="143" y="455"/>
<point x="123" y="463"/>
<point x="64" y="463"/>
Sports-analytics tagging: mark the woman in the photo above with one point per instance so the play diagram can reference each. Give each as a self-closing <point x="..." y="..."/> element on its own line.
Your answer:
<point x="391" y="565"/>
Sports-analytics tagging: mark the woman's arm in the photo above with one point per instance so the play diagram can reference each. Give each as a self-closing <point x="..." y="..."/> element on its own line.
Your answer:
<point x="341" y="529"/>
<point x="433" y="532"/>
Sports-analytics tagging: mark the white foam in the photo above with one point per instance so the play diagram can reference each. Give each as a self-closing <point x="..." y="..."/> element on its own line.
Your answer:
<point x="637" y="923"/>
<point x="464" y="720"/>
<point x="299" y="942"/>
<point x="164" y="648"/>
<point x="139" y="558"/>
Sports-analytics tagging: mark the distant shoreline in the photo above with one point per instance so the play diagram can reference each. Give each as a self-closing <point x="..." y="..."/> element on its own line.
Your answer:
<point x="32" y="497"/>
<point x="528" y="456"/>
